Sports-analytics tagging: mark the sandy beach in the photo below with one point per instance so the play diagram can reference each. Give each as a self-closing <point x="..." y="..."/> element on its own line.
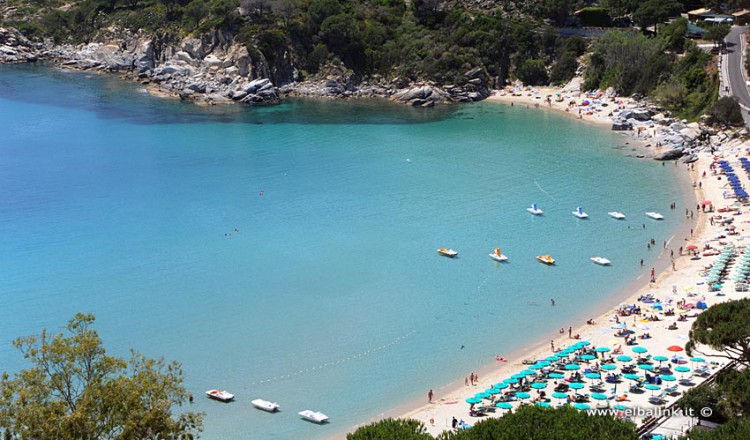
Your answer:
<point x="679" y="286"/>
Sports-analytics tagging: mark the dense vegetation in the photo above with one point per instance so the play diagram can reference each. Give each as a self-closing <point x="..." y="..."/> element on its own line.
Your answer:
<point x="74" y="390"/>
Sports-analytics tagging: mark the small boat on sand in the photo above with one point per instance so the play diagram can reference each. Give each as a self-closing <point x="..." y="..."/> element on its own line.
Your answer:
<point x="265" y="405"/>
<point x="535" y="209"/>
<point x="498" y="256"/>
<point x="220" y="395"/>
<point x="450" y="253"/>
<point x="313" y="416"/>
<point x="579" y="213"/>
<point x="655" y="215"/>
<point x="601" y="260"/>
<point x="617" y="215"/>
<point x="546" y="259"/>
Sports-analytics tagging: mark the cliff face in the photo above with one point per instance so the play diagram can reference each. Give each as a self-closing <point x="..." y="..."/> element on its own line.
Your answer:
<point x="215" y="69"/>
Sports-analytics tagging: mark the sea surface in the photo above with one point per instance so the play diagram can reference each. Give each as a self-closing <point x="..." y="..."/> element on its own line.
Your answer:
<point x="289" y="252"/>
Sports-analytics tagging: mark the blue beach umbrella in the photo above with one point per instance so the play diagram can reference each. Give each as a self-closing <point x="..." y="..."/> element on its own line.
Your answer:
<point x="473" y="400"/>
<point x="584" y="343"/>
<point x="518" y="376"/>
<point x="660" y="358"/>
<point x="523" y="395"/>
<point x="640" y="350"/>
<point x="500" y="386"/>
<point x="571" y="367"/>
<point x="537" y="367"/>
<point x="581" y="406"/>
<point x="652" y="387"/>
<point x="556" y="375"/>
<point x="599" y="396"/>
<point x="608" y="367"/>
<point x="528" y="372"/>
<point x="539" y="385"/>
<point x="624" y="358"/>
<point x="493" y="391"/>
<point x="510" y="380"/>
<point x="697" y="359"/>
<point x="620" y="406"/>
<point x="668" y="378"/>
<point x="632" y="377"/>
<point x="602" y="349"/>
<point x="552" y="358"/>
<point x="543" y="363"/>
<point x="482" y="395"/>
<point x="593" y="376"/>
<point x="504" y="405"/>
<point x="682" y="369"/>
<point x="560" y="395"/>
<point x="646" y="367"/>
<point x="543" y="404"/>
<point x="588" y="357"/>
<point x="576" y="386"/>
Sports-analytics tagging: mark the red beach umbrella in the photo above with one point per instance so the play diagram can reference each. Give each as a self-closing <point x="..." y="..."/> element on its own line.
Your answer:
<point x="675" y="348"/>
<point x="706" y="202"/>
<point x="692" y="247"/>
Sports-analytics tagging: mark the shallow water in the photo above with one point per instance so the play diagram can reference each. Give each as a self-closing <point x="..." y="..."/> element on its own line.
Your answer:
<point x="331" y="295"/>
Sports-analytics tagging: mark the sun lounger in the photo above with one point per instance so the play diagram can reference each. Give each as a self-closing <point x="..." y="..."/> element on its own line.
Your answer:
<point x="687" y="381"/>
<point x="657" y="399"/>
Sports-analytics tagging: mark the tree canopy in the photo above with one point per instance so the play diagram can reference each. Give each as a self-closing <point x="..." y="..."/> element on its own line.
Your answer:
<point x="724" y="327"/>
<point x="391" y="429"/>
<point x="74" y="390"/>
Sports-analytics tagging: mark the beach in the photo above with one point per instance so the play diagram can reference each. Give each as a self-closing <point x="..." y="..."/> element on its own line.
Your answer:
<point x="676" y="283"/>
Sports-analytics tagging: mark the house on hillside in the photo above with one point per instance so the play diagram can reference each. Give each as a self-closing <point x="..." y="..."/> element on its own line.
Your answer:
<point x="741" y="17"/>
<point x="709" y="16"/>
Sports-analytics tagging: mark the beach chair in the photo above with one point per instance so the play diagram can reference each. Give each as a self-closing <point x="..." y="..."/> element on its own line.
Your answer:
<point x="687" y="381"/>
<point x="702" y="371"/>
<point x="657" y="399"/>
<point x="672" y="391"/>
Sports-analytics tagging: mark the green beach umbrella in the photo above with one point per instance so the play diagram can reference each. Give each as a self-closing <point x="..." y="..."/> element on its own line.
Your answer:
<point x="537" y="367"/>
<point x="608" y="367"/>
<point x="552" y="358"/>
<point x="682" y="369"/>
<point x="504" y="405"/>
<point x="576" y="386"/>
<point x="556" y="375"/>
<point x="668" y="378"/>
<point x="593" y="376"/>
<point x="571" y="367"/>
<point x="584" y="343"/>
<point x="652" y="387"/>
<point x="624" y="358"/>
<point x="473" y="400"/>
<point x="581" y="406"/>
<point x="543" y="363"/>
<point x="646" y="367"/>
<point x="543" y="404"/>
<point x="697" y="359"/>
<point x="640" y="350"/>
<point x="523" y="395"/>
<point x="602" y="349"/>
<point x="588" y="357"/>
<point x="493" y="391"/>
<point x="599" y="396"/>
<point x="560" y="395"/>
<point x="539" y="385"/>
<point x="500" y="386"/>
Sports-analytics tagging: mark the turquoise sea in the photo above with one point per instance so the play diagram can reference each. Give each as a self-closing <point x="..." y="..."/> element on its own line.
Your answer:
<point x="330" y="296"/>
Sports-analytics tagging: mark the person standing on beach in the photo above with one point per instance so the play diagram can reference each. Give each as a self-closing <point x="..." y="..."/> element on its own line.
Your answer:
<point x="570" y="332"/>
<point x="429" y="396"/>
<point x="552" y="345"/>
<point x="653" y="275"/>
<point x="454" y="423"/>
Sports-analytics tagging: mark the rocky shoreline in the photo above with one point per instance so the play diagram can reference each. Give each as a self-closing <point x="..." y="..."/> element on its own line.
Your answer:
<point x="217" y="70"/>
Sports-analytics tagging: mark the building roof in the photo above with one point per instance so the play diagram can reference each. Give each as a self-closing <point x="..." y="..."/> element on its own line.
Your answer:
<point x="741" y="13"/>
<point x="700" y="11"/>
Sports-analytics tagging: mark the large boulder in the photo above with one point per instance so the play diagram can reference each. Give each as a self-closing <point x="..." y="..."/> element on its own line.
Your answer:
<point x="421" y="94"/>
<point x="144" y="57"/>
<point x="672" y="154"/>
<point x="15" y="48"/>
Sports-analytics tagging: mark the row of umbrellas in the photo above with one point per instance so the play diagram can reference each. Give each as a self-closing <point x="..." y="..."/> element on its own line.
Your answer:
<point x="714" y="275"/>
<point x="734" y="181"/>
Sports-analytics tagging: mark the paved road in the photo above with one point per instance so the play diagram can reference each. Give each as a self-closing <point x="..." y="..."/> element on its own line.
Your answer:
<point x="734" y="67"/>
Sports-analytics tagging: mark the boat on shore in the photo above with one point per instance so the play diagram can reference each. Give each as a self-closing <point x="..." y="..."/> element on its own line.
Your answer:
<point x="535" y="209"/>
<point x="220" y="395"/>
<point x="313" y="416"/>
<point x="579" y="213"/>
<point x="498" y="256"/>
<point x="601" y="260"/>
<point x="265" y="405"/>
<point x="546" y="259"/>
<point x="617" y="215"/>
<point x="450" y="253"/>
<point x="655" y="215"/>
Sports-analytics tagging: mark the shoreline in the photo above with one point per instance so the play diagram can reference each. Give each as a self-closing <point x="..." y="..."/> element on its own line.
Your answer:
<point x="450" y="397"/>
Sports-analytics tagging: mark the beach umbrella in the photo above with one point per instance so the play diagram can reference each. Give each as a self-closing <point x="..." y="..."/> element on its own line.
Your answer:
<point x="660" y="358"/>
<point x="536" y="367"/>
<point x="528" y="372"/>
<point x="652" y="388"/>
<point x="620" y="406"/>
<point x="552" y="358"/>
<point x="691" y="247"/>
<point x="675" y="348"/>
<point x="510" y="380"/>
<point x="539" y="385"/>
<point x="646" y="367"/>
<point x="473" y="400"/>
<point x="632" y="376"/>
<point x="500" y="386"/>
<point x="584" y="343"/>
<point x="493" y="391"/>
<point x="543" y="404"/>
<point x="587" y="357"/>
<point x="697" y="359"/>
<point x="482" y="395"/>
<point x="682" y="369"/>
<point x="668" y="378"/>
<point x="543" y="363"/>
<point x="556" y="375"/>
<point x="593" y="376"/>
<point x="523" y="395"/>
<point x="581" y="406"/>
<point x="608" y="367"/>
<point x="640" y="350"/>
<point x="624" y="358"/>
<point x="504" y="405"/>
<point x="519" y="376"/>
<point x="576" y="386"/>
<point x="599" y="396"/>
<point x="560" y="395"/>
<point x="571" y="367"/>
